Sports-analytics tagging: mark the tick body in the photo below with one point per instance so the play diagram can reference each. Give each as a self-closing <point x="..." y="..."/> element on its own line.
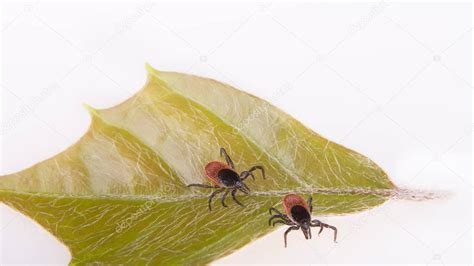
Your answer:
<point x="221" y="175"/>
<point x="298" y="216"/>
<point x="224" y="178"/>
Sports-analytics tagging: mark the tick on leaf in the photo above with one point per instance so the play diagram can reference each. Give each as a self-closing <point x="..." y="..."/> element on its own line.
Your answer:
<point x="298" y="215"/>
<point x="225" y="179"/>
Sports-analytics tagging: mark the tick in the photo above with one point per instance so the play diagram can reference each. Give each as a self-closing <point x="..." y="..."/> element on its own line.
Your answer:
<point x="298" y="215"/>
<point x="225" y="179"/>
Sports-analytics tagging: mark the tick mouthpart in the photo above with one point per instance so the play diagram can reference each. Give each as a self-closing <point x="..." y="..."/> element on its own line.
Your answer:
<point x="242" y="187"/>
<point x="306" y="231"/>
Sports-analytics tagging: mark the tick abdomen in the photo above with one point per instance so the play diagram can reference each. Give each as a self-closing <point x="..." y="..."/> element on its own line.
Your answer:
<point x="292" y="200"/>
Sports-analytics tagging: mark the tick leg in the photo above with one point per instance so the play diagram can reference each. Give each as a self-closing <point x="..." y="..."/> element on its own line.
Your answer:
<point x="212" y="196"/>
<point x="223" y="198"/>
<point x="253" y="168"/>
<point x="331" y="227"/>
<point x="278" y="222"/>
<point x="201" y="185"/>
<point x="316" y="223"/>
<point x="273" y="217"/>
<point x="310" y="204"/>
<point x="246" y="174"/>
<point x="284" y="217"/>
<point x="227" y="158"/>
<point x="282" y="222"/>
<point x="235" y="199"/>
<point x="288" y="230"/>
<point x="274" y="210"/>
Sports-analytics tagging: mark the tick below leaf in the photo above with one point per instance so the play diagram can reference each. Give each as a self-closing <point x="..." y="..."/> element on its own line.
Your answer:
<point x="119" y="194"/>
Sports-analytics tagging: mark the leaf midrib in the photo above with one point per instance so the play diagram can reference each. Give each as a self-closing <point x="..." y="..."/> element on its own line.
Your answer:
<point x="191" y="196"/>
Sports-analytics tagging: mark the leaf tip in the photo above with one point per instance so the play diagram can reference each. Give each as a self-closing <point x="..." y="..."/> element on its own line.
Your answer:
<point x="151" y="70"/>
<point x="91" y="109"/>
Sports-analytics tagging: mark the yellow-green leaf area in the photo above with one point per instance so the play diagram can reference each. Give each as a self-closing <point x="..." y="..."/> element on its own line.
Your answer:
<point x="119" y="195"/>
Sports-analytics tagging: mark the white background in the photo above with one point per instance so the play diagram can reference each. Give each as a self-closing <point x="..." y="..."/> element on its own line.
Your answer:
<point x="392" y="81"/>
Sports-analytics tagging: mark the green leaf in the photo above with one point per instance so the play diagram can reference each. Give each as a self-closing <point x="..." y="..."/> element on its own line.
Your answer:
<point x="119" y="194"/>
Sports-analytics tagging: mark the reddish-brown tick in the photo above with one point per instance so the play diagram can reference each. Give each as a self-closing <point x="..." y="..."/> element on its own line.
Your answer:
<point x="298" y="215"/>
<point x="224" y="178"/>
